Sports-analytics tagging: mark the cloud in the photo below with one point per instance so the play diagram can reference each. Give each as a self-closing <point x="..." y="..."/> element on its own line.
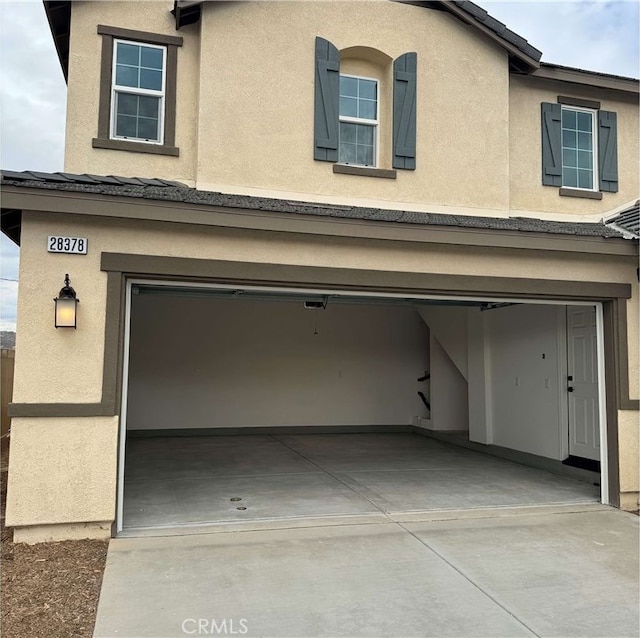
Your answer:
<point x="596" y="36"/>
<point x="32" y="91"/>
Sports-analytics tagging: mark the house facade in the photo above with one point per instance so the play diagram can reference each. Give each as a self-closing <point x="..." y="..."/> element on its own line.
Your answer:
<point x="416" y="154"/>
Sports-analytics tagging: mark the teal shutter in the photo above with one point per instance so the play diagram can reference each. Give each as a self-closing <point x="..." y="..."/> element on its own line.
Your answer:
<point x="608" y="151"/>
<point x="551" y="144"/>
<point x="404" y="111"/>
<point x="327" y="91"/>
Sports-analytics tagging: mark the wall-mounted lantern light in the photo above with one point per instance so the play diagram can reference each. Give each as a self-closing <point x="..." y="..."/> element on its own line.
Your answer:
<point x="66" y="306"/>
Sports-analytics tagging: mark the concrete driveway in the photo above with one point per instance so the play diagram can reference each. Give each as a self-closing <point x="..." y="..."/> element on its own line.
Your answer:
<point x="539" y="571"/>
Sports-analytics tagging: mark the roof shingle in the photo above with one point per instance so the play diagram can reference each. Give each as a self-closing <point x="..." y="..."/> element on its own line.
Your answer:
<point x="166" y="190"/>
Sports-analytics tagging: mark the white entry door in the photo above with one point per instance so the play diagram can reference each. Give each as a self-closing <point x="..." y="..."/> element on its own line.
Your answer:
<point x="582" y="382"/>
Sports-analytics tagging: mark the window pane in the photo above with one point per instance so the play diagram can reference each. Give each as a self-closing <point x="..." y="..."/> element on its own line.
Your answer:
<point x="365" y="135"/>
<point x="348" y="86"/>
<point x="126" y="104"/>
<point x="584" y="121"/>
<point x="126" y="75"/>
<point x="126" y="126"/>
<point x="348" y="132"/>
<point x="585" y="159"/>
<point x="150" y="79"/>
<point x="148" y="128"/>
<point x="367" y="89"/>
<point x="584" y="141"/>
<point x="347" y="153"/>
<point x="569" y="139"/>
<point x="149" y="106"/>
<point x="365" y="155"/>
<point x="128" y="54"/>
<point x="151" y="58"/>
<point x="585" y="179"/>
<point x="568" y="118"/>
<point x="348" y="107"/>
<point x="367" y="109"/>
<point x="570" y="177"/>
<point x="569" y="158"/>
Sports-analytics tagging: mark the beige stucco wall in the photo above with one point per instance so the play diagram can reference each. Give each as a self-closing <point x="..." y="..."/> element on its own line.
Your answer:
<point x="267" y="81"/>
<point x="62" y="471"/>
<point x="247" y="120"/>
<point x="246" y="97"/>
<point x="66" y="365"/>
<point x="629" y="451"/>
<point x="84" y="91"/>
<point x="525" y="149"/>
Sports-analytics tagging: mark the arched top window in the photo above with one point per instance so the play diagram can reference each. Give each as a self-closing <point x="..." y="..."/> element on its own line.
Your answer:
<point x="365" y="107"/>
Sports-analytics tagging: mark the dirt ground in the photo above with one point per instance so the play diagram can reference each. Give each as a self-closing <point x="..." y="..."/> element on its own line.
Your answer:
<point x="48" y="590"/>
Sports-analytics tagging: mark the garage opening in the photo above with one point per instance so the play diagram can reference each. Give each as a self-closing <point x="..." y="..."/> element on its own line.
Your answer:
<point x="246" y="406"/>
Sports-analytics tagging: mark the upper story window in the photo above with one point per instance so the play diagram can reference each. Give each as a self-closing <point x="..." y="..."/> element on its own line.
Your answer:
<point x="358" y="132"/>
<point x="138" y="87"/>
<point x="137" y="102"/>
<point x="579" y="168"/>
<point x="351" y="130"/>
<point x="579" y="147"/>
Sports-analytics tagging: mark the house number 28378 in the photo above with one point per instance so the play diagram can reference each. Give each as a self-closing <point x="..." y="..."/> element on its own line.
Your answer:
<point x="76" y="245"/>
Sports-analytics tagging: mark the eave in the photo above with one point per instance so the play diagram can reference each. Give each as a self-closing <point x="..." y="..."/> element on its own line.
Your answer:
<point x="159" y="201"/>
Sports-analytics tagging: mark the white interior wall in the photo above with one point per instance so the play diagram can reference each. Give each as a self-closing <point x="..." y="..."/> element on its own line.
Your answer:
<point x="478" y="377"/>
<point x="203" y="362"/>
<point x="449" y="325"/>
<point x="449" y="402"/>
<point x="526" y="361"/>
<point x="449" y="367"/>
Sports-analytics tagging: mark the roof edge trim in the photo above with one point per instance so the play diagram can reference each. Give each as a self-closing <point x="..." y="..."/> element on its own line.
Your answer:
<point x="574" y="75"/>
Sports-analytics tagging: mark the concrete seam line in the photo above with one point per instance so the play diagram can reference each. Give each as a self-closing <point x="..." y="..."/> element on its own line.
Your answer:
<point x="386" y="514"/>
<point x="467" y="578"/>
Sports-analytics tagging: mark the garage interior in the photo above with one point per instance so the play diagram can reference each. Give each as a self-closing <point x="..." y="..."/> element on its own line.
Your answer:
<point x="246" y="406"/>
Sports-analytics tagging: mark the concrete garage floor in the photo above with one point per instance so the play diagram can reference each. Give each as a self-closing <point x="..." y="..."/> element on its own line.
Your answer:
<point x="513" y="572"/>
<point x="181" y="484"/>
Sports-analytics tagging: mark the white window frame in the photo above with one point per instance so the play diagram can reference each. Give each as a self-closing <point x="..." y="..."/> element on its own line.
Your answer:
<point x="116" y="88"/>
<point x="594" y="136"/>
<point x="361" y="120"/>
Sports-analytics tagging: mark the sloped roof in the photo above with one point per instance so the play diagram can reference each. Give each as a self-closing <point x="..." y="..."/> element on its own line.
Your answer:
<point x="627" y="220"/>
<point x="523" y="56"/>
<point x="165" y="190"/>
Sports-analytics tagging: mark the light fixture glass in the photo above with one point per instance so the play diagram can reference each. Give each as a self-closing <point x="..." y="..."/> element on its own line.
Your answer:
<point x="66" y="306"/>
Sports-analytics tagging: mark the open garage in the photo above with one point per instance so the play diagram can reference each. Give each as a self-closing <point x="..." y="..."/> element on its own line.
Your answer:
<point x="286" y="407"/>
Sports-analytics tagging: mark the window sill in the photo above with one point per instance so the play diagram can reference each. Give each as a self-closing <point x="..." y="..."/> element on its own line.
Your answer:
<point x="575" y="192"/>
<point x="365" y="171"/>
<point x="135" y="147"/>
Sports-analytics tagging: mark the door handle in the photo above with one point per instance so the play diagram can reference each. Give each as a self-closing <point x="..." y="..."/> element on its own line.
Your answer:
<point x="569" y="389"/>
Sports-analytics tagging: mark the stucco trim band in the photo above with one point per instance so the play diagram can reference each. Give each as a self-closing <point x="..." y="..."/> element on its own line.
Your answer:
<point x="625" y="402"/>
<point x="365" y="171"/>
<point x="61" y="409"/>
<point x="576" y="101"/>
<point x="362" y="280"/>
<point x="576" y="192"/>
<point x="135" y="147"/>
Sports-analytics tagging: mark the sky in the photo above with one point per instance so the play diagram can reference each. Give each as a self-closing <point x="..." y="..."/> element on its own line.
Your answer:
<point x="599" y="36"/>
